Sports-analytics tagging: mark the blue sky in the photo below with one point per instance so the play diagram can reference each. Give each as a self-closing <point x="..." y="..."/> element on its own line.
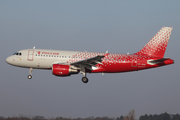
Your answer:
<point x="116" y="26"/>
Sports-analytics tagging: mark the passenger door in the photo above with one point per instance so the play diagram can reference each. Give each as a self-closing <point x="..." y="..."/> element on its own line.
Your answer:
<point x="30" y="55"/>
<point x="134" y="63"/>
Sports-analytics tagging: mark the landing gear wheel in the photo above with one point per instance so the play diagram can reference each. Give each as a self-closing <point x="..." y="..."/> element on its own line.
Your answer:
<point x="85" y="80"/>
<point x="29" y="76"/>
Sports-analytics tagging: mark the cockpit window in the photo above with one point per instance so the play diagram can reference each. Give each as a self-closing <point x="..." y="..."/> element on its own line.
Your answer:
<point x="17" y="53"/>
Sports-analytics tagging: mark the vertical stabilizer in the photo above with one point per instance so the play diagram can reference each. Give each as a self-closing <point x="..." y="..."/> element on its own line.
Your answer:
<point x="157" y="45"/>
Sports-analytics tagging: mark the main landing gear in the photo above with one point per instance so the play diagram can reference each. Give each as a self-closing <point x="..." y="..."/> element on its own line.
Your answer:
<point x="30" y="72"/>
<point x="84" y="78"/>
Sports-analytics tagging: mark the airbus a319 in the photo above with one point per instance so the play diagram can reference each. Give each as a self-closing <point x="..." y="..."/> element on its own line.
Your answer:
<point x="65" y="63"/>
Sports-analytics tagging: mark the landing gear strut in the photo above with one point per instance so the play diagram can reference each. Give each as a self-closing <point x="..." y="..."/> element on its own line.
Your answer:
<point x="84" y="78"/>
<point x="30" y="72"/>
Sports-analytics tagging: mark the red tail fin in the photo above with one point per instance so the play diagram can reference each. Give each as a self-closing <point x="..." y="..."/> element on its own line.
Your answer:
<point x="157" y="45"/>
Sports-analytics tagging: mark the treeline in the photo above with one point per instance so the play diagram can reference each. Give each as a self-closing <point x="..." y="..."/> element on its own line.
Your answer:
<point x="130" y="116"/>
<point x="57" y="118"/>
<point x="163" y="116"/>
<point x="62" y="118"/>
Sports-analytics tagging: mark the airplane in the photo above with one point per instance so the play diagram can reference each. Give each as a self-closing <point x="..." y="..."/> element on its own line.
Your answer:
<point x="66" y="63"/>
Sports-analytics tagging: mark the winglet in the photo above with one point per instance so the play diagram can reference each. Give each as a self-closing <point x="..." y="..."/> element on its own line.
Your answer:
<point x="106" y="55"/>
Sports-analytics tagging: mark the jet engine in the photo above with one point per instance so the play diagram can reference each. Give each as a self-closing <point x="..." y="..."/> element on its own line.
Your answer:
<point x="63" y="70"/>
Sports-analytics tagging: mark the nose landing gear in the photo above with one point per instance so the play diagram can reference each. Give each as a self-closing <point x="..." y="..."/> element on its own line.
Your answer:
<point x="29" y="76"/>
<point x="30" y="72"/>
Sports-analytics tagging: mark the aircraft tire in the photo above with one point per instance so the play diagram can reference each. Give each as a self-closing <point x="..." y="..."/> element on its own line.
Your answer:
<point x="29" y="76"/>
<point x="85" y="80"/>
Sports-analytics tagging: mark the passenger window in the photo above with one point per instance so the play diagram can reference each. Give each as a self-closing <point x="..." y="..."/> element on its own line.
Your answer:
<point x="19" y="53"/>
<point x="16" y="53"/>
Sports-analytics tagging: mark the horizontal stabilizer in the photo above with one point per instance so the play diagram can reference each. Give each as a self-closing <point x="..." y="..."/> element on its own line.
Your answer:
<point x="163" y="61"/>
<point x="158" y="60"/>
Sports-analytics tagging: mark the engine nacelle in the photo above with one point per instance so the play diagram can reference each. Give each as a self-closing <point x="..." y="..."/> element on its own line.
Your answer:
<point x="63" y="70"/>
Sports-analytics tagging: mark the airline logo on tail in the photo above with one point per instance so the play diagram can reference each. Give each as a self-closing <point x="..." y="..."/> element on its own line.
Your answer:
<point x="157" y="45"/>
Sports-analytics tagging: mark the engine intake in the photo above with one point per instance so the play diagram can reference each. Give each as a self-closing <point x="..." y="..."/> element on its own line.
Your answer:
<point x="63" y="70"/>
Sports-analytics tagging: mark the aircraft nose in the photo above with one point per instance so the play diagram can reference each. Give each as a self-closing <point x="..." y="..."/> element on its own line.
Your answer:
<point x="8" y="60"/>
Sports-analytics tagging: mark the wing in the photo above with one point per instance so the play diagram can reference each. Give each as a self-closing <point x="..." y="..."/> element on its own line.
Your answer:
<point x="89" y="63"/>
